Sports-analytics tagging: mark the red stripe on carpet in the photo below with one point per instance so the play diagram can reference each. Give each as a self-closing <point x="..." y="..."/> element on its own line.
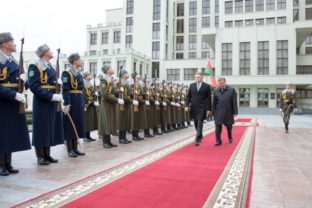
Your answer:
<point x="183" y="178"/>
<point x="243" y="120"/>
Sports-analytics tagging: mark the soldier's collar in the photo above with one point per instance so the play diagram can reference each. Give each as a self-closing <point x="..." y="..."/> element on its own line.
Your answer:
<point x="4" y="58"/>
<point x="43" y="64"/>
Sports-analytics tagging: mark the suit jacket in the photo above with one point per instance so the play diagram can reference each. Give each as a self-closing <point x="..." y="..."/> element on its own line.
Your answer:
<point x="225" y="105"/>
<point x="199" y="101"/>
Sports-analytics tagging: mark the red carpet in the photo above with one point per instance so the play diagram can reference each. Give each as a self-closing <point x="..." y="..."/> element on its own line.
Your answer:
<point x="184" y="178"/>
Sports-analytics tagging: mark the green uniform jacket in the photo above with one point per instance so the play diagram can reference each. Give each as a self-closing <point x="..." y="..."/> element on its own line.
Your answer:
<point x="123" y="116"/>
<point x="138" y="119"/>
<point x="91" y="117"/>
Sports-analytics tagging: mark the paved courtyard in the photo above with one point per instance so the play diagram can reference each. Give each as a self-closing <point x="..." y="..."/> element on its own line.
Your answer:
<point x="282" y="164"/>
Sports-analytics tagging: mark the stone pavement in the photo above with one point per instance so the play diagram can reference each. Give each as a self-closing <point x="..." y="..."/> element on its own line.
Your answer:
<point x="282" y="164"/>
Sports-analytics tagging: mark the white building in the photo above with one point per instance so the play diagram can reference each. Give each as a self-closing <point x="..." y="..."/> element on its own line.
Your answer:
<point x="257" y="45"/>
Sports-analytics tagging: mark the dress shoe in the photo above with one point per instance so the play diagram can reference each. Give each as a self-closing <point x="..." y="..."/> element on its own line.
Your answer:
<point x="72" y="153"/>
<point x="51" y="159"/>
<point x="218" y="144"/>
<point x="43" y="161"/>
<point x="200" y="138"/>
<point x="196" y="143"/>
<point x="230" y="140"/>
<point x="79" y="153"/>
<point x="137" y="139"/>
<point x="286" y="131"/>
<point x="87" y="140"/>
<point x="4" y="171"/>
<point x="11" y="169"/>
<point x="107" y="146"/>
<point x="148" y="135"/>
<point x="123" y="141"/>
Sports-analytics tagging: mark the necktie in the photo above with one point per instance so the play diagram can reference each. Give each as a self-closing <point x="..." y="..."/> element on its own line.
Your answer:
<point x="10" y="59"/>
<point x="198" y="86"/>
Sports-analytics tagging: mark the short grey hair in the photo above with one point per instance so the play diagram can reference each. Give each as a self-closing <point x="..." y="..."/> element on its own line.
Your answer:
<point x="42" y="49"/>
<point x="221" y="79"/>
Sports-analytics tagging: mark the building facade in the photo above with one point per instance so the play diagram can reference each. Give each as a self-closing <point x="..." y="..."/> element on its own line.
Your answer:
<point x="257" y="45"/>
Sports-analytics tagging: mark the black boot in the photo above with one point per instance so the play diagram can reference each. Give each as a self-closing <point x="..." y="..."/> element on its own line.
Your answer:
<point x="147" y="133"/>
<point x="75" y="142"/>
<point x="110" y="142"/>
<point x="286" y="128"/>
<point x="48" y="156"/>
<point x="155" y="131"/>
<point x="125" y="137"/>
<point x="122" y="138"/>
<point x="135" y="136"/>
<point x="163" y="129"/>
<point x="88" y="138"/>
<point x="40" y="156"/>
<point x="105" y="142"/>
<point x="3" y="169"/>
<point x="8" y="161"/>
<point x="70" y="148"/>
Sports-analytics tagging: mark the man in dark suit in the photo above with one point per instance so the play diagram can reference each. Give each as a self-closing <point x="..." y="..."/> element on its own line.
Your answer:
<point x="224" y="109"/>
<point x="198" y="100"/>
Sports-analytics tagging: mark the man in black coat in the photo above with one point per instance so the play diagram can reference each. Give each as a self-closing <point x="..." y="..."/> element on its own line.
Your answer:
<point x="198" y="100"/>
<point x="224" y="109"/>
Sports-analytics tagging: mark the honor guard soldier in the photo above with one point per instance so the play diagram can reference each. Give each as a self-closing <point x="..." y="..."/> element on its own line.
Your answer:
<point x="14" y="135"/>
<point x="156" y="92"/>
<point x="123" y="111"/>
<point x="91" y="103"/>
<point x="73" y="86"/>
<point x="150" y="107"/>
<point x="287" y="104"/>
<point x="164" y="107"/>
<point x="107" y="114"/>
<point x="47" y="121"/>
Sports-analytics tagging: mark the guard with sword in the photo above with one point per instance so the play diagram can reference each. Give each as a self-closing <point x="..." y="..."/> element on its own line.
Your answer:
<point x="47" y="113"/>
<point x="14" y="135"/>
<point x="73" y="105"/>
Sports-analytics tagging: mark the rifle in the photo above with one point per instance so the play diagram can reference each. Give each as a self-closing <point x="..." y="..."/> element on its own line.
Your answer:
<point x="146" y="91"/>
<point x="120" y="91"/>
<point x="157" y="94"/>
<point x="21" y="83"/>
<point x="58" y="86"/>
<point x="135" y="108"/>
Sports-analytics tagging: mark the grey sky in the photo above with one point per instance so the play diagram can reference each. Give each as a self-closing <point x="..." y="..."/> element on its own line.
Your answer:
<point x="58" y="23"/>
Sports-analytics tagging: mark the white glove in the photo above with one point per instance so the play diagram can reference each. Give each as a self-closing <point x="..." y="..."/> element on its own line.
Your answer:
<point x="57" y="97"/>
<point x="66" y="109"/>
<point x="164" y="104"/>
<point x="20" y="97"/>
<point x="281" y="109"/>
<point x="186" y="109"/>
<point x="96" y="103"/>
<point x="182" y="102"/>
<point x="147" y="102"/>
<point x="172" y="103"/>
<point x="59" y="81"/>
<point x="23" y="77"/>
<point x="135" y="102"/>
<point x="178" y="105"/>
<point x="96" y="94"/>
<point x="156" y="103"/>
<point x="121" y="101"/>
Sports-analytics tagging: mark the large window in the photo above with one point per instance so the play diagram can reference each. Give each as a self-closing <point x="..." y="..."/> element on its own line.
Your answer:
<point x="270" y="21"/>
<point x="189" y="74"/>
<point x="179" y="43"/>
<point x="192" y="55"/>
<point x="193" y="8"/>
<point x="156" y="30"/>
<point x="173" y="74"/>
<point x="263" y="97"/>
<point x="179" y="55"/>
<point x="156" y="50"/>
<point x="249" y="5"/>
<point x="259" y="21"/>
<point x="239" y="6"/>
<point x="228" y="7"/>
<point x="93" y="38"/>
<point x="308" y="13"/>
<point x="270" y="5"/>
<point x="129" y="6"/>
<point x="192" y="25"/>
<point x="281" y="20"/>
<point x="249" y="22"/>
<point x="121" y="63"/>
<point x="281" y="4"/>
<point x="282" y="56"/>
<point x="295" y="3"/>
<point x="263" y="58"/>
<point x="117" y="37"/>
<point x="295" y="15"/>
<point x="308" y="40"/>
<point x="259" y="5"/>
<point x="205" y="44"/>
<point x="129" y="24"/>
<point x="226" y="58"/>
<point x="129" y="41"/>
<point x="192" y="42"/>
<point x="155" y="69"/>
<point x="228" y="24"/>
<point x="217" y="21"/>
<point x="180" y="9"/>
<point x="93" y="67"/>
<point x="304" y="69"/>
<point x="239" y="23"/>
<point x="244" y="62"/>
<point x="105" y="37"/>
<point x="180" y="26"/>
<point x="156" y="10"/>
<point x="205" y="54"/>
<point x="244" y="97"/>
<point x="205" y="22"/>
<point x="206" y="7"/>
<point x="308" y="2"/>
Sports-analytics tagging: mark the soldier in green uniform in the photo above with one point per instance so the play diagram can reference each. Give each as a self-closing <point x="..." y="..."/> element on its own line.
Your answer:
<point x="156" y="92"/>
<point x="163" y="108"/>
<point x="91" y="103"/>
<point x="188" y="116"/>
<point x="150" y="107"/>
<point x="182" y="109"/>
<point x="287" y="104"/>
<point x="107" y="117"/>
<point x="123" y="115"/>
<point x="138" y="111"/>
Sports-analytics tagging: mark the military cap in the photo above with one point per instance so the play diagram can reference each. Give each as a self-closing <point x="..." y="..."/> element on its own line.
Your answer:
<point x="5" y="37"/>
<point x="42" y="49"/>
<point x="84" y="74"/>
<point x="73" y="57"/>
<point x="105" y="68"/>
<point x="123" y="72"/>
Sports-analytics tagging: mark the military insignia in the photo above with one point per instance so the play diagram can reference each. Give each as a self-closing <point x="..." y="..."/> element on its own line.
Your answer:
<point x="31" y="73"/>
<point x="65" y="79"/>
